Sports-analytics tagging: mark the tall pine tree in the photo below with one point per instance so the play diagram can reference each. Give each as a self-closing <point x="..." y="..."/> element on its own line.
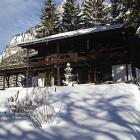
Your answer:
<point x="49" y="18"/>
<point x="119" y="11"/>
<point x="95" y="12"/>
<point x="125" y="10"/>
<point x="135" y="10"/>
<point x="71" y="16"/>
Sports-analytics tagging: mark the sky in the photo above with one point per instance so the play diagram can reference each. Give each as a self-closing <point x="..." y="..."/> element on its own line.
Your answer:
<point x="17" y="16"/>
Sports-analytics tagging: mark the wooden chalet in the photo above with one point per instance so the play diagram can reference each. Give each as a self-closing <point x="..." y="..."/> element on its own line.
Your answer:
<point x="102" y="54"/>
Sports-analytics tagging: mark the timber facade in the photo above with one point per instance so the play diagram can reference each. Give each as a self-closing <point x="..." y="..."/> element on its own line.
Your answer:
<point x="98" y="55"/>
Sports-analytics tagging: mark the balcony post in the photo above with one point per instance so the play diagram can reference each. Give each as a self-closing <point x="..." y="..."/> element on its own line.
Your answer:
<point x="17" y="80"/>
<point x="89" y="73"/>
<point x="58" y="75"/>
<point x="88" y="45"/>
<point x="8" y="78"/>
<point x="3" y="82"/>
<point x="27" y="72"/>
<point x="57" y="50"/>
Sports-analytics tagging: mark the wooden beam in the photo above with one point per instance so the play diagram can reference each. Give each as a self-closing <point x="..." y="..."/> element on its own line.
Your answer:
<point x="88" y="45"/>
<point x="133" y="71"/>
<point x="3" y="82"/>
<point x="17" y="80"/>
<point x="127" y="72"/>
<point x="58" y="75"/>
<point x="57" y="49"/>
<point x="89" y="73"/>
<point x="7" y="80"/>
<point x="27" y="72"/>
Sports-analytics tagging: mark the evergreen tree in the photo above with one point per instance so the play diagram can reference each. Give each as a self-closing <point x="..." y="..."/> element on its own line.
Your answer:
<point x="125" y="10"/>
<point x="71" y="17"/>
<point x="49" y="19"/>
<point x="114" y="8"/>
<point x="135" y="10"/>
<point x="95" y="12"/>
<point x="120" y="12"/>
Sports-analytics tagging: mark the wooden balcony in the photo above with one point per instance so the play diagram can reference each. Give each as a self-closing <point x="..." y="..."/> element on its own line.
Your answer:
<point x="63" y="58"/>
<point x="38" y="61"/>
<point x="58" y="59"/>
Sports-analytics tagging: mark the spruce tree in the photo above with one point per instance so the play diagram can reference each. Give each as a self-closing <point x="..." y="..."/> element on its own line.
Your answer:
<point x="135" y="10"/>
<point x="71" y="16"/>
<point x="119" y="11"/>
<point x="49" y="18"/>
<point x="125" y="10"/>
<point x="95" y="12"/>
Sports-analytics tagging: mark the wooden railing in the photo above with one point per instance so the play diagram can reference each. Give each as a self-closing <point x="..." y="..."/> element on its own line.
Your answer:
<point x="52" y="59"/>
<point x="48" y="60"/>
<point x="62" y="58"/>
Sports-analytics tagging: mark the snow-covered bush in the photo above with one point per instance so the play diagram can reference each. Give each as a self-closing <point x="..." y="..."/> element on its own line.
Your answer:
<point x="15" y="105"/>
<point x="43" y="115"/>
<point x="44" y="112"/>
<point x="35" y="105"/>
<point x="39" y="96"/>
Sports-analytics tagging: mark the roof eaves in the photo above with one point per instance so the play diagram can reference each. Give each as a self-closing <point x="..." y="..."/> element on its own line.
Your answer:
<point x="71" y="34"/>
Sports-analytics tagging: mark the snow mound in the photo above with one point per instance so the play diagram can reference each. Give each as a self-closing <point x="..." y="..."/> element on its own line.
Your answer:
<point x="89" y="112"/>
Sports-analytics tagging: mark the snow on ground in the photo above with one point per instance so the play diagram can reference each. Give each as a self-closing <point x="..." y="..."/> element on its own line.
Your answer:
<point x="89" y="112"/>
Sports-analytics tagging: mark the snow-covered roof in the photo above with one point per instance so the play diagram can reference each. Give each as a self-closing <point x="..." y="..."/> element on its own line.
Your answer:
<point x="72" y="34"/>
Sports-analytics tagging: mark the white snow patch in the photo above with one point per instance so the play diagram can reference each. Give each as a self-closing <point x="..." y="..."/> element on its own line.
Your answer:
<point x="89" y="112"/>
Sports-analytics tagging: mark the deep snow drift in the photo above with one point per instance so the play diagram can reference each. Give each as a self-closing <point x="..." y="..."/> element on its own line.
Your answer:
<point x="88" y="112"/>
